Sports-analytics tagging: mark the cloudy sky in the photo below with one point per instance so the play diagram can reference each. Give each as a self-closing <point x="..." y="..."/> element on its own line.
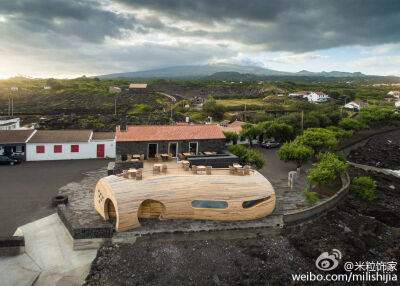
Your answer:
<point x="68" y="38"/>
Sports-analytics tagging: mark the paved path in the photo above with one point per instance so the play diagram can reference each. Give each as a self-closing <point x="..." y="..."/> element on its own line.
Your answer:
<point x="26" y="189"/>
<point x="48" y="258"/>
<point x="276" y="171"/>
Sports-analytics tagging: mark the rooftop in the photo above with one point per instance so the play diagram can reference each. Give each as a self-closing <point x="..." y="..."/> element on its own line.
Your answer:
<point x="15" y="136"/>
<point x="169" y="132"/>
<point x="103" y="136"/>
<point x="61" y="136"/>
<point x="138" y="85"/>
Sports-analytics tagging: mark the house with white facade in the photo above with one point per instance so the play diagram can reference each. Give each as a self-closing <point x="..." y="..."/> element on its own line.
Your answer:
<point x="317" y="97"/>
<point x="311" y="96"/>
<point x="394" y="93"/>
<point x="69" y="145"/>
<point x="356" y="105"/>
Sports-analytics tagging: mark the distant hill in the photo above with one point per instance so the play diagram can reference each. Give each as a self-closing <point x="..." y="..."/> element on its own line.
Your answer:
<point x="201" y="71"/>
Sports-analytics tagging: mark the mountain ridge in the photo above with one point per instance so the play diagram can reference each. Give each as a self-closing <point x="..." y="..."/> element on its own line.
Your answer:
<point x="199" y="71"/>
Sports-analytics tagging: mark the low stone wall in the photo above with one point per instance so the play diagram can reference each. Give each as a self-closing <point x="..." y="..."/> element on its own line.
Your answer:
<point x="216" y="161"/>
<point x="77" y="231"/>
<point x="305" y="214"/>
<point x="12" y="246"/>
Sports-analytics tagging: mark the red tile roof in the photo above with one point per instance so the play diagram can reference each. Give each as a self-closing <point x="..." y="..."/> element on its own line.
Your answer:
<point x="138" y="85"/>
<point x="15" y="136"/>
<point x="320" y="93"/>
<point x="169" y="132"/>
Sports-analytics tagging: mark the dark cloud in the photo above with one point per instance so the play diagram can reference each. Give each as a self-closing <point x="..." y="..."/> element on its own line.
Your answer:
<point x="297" y="26"/>
<point x="84" y="19"/>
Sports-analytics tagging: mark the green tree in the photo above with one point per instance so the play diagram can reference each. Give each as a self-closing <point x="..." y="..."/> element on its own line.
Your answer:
<point x="249" y="131"/>
<point x="247" y="156"/>
<point x="364" y="188"/>
<point x="231" y="137"/>
<point x="327" y="169"/>
<point x="280" y="131"/>
<point x="351" y="124"/>
<point x="318" y="139"/>
<point x="295" y="152"/>
<point x="216" y="111"/>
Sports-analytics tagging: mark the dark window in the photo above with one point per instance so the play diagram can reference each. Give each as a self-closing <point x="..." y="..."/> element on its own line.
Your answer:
<point x="249" y="204"/>
<point x="74" y="148"/>
<point x="40" y="149"/>
<point x="57" y="148"/>
<point x="210" y="204"/>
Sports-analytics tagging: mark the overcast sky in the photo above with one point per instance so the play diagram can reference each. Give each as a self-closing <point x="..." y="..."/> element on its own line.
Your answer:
<point x="69" y="38"/>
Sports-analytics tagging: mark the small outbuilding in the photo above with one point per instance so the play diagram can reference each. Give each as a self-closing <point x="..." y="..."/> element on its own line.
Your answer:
<point x="70" y="144"/>
<point x="13" y="142"/>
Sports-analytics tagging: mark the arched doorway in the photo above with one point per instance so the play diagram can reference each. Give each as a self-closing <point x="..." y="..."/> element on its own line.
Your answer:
<point x="151" y="209"/>
<point x="110" y="212"/>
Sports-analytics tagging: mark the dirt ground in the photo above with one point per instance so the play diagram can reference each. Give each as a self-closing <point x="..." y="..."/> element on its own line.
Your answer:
<point x="362" y="231"/>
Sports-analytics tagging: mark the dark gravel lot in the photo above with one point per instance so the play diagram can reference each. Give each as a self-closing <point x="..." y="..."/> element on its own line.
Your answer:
<point x="26" y="189"/>
<point x="380" y="151"/>
<point x="362" y="231"/>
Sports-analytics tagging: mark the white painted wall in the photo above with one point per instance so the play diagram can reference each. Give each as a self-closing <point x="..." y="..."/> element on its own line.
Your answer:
<point x="87" y="150"/>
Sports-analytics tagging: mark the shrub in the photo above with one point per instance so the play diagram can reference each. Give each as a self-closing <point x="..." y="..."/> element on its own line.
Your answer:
<point x="364" y="188"/>
<point x="311" y="197"/>
<point x="327" y="169"/>
<point x="295" y="152"/>
<point x="247" y="156"/>
<point x="351" y="124"/>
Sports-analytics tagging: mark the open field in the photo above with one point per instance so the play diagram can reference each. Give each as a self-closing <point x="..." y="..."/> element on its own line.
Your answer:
<point x="238" y="102"/>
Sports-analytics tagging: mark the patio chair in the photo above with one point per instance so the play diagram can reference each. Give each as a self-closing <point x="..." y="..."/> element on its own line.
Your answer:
<point x="181" y="157"/>
<point x="141" y="157"/>
<point x="240" y="171"/>
<point x="156" y="169"/>
<point x="231" y="170"/>
<point x="170" y="157"/>
<point x="164" y="168"/>
<point x="194" y="169"/>
<point x="158" y="158"/>
<point x="139" y="174"/>
<point x="186" y="167"/>
<point x="247" y="169"/>
<point x="208" y="170"/>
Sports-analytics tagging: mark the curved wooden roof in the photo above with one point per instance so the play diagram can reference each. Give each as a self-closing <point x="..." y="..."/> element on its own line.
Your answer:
<point x="176" y="193"/>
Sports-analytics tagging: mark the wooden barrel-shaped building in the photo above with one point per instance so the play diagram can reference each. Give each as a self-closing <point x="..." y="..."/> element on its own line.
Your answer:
<point x="215" y="197"/>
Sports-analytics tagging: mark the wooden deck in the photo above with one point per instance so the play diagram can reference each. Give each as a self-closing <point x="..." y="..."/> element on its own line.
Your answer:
<point x="170" y="195"/>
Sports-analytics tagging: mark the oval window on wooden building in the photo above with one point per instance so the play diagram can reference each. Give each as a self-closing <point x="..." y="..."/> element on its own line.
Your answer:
<point x="249" y="204"/>
<point x="209" y="204"/>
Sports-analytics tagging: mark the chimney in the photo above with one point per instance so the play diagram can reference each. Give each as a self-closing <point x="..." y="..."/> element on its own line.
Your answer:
<point x="122" y="127"/>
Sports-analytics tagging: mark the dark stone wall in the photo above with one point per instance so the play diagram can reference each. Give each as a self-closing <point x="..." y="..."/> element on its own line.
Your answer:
<point x="134" y="147"/>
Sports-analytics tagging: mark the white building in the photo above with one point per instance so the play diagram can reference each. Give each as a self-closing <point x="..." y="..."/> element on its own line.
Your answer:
<point x="47" y="87"/>
<point x="394" y="93"/>
<point x="70" y="144"/>
<point x="312" y="96"/>
<point x="10" y="124"/>
<point x="317" y="97"/>
<point x="356" y="105"/>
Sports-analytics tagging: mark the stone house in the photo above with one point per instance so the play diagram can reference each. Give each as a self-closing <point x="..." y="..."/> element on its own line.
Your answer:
<point x="150" y="140"/>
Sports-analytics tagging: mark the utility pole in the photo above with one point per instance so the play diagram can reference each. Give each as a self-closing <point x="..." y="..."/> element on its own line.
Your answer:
<point x="245" y="110"/>
<point x="115" y="105"/>
<point x="302" y="121"/>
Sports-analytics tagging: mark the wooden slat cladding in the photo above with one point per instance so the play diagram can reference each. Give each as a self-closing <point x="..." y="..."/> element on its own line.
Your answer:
<point x="170" y="196"/>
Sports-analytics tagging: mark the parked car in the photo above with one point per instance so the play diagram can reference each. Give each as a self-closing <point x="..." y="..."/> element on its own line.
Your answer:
<point x="270" y="144"/>
<point x="5" y="160"/>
